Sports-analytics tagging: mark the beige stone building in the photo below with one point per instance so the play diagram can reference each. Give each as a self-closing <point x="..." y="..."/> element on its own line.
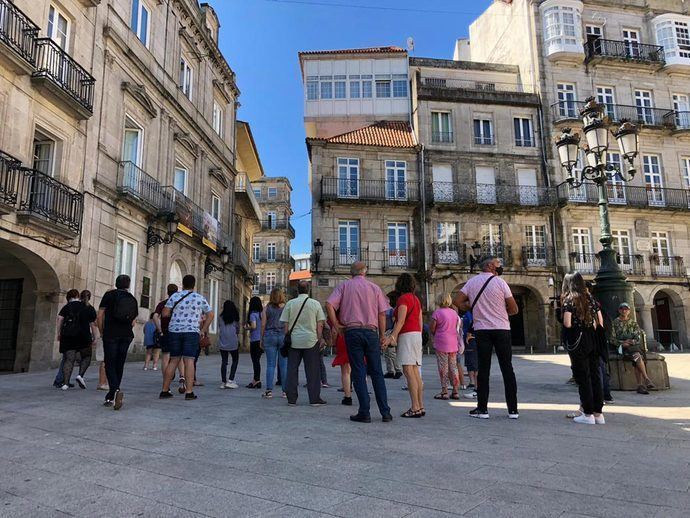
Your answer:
<point x="634" y="57"/>
<point x="121" y="158"/>
<point x="271" y="246"/>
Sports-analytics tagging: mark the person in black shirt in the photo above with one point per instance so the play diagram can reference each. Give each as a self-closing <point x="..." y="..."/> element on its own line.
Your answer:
<point x="75" y="326"/>
<point x="117" y="313"/>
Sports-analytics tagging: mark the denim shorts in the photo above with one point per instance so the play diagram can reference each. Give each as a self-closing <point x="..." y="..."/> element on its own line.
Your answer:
<point x="163" y="343"/>
<point x="183" y="344"/>
<point x="471" y="356"/>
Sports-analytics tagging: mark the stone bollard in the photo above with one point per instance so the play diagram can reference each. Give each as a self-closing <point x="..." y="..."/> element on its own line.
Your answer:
<point x="623" y="372"/>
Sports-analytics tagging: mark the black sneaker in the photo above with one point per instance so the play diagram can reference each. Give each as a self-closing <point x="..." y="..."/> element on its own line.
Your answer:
<point x="190" y="396"/>
<point x="471" y="386"/>
<point x="479" y="414"/>
<point x="389" y="375"/>
<point x="318" y="402"/>
<point x="119" y="399"/>
<point x="57" y="385"/>
<point x="608" y="400"/>
<point x="360" y="418"/>
<point x="346" y="401"/>
<point x="387" y="418"/>
<point x="108" y="402"/>
<point x="398" y="375"/>
<point x="165" y="395"/>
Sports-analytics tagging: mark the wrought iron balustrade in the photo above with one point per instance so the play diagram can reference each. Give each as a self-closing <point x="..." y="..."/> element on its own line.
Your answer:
<point x="18" y="32"/>
<point x="277" y="224"/>
<point x="536" y="257"/>
<point x="268" y="258"/>
<point x="451" y="254"/>
<point x="667" y="266"/>
<point x="640" y="115"/>
<point x="627" y="195"/>
<point x="490" y="194"/>
<point x="471" y="85"/>
<point x="9" y="179"/>
<point x="134" y="182"/>
<point x="442" y="137"/>
<point x="625" y="50"/>
<point x="404" y="258"/>
<point x="369" y="190"/>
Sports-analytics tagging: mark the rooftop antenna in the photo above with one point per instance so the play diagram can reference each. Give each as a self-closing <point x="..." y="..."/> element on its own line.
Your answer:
<point x="410" y="44"/>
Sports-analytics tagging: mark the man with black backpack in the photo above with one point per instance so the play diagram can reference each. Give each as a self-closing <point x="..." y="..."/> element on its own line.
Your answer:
<point x="116" y="316"/>
<point x="75" y="325"/>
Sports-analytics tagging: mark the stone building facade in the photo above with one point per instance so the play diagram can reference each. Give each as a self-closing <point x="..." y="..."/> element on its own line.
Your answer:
<point x="120" y="159"/>
<point x="271" y="246"/>
<point x="633" y="56"/>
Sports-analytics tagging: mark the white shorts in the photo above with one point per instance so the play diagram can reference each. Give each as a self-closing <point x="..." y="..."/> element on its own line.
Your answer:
<point x="410" y="348"/>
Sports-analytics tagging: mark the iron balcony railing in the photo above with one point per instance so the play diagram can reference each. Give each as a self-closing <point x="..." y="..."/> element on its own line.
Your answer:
<point x="60" y="68"/>
<point x="680" y="120"/>
<point x="489" y="194"/>
<point x="442" y="137"/>
<point x="189" y="213"/>
<point x="627" y="195"/>
<point x="346" y="256"/>
<point x="260" y="289"/>
<point x="224" y="240"/>
<point x="277" y="224"/>
<point x="665" y="266"/>
<point x="468" y="84"/>
<point x="625" y="50"/>
<point x="583" y="262"/>
<point x="484" y="141"/>
<point x="450" y="254"/>
<point x="9" y="179"/>
<point x="43" y="196"/>
<point x="240" y="257"/>
<point x="400" y="258"/>
<point x="534" y="256"/>
<point x="271" y="258"/>
<point x="589" y="263"/>
<point x="503" y="252"/>
<point x="134" y="182"/>
<point x="369" y="190"/>
<point x="244" y="186"/>
<point x="18" y="32"/>
<point x="641" y="115"/>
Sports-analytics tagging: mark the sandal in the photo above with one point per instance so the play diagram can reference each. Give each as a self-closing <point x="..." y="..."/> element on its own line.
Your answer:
<point x="267" y="395"/>
<point x="455" y="395"/>
<point x="422" y="412"/>
<point x="442" y="395"/>
<point x="411" y="413"/>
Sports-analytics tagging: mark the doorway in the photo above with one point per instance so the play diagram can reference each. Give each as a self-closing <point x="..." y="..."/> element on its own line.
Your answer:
<point x="517" y="323"/>
<point x="10" y="303"/>
<point x="664" y="323"/>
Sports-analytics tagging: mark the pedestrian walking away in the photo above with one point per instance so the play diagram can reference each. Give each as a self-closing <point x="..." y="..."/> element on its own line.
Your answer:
<point x="357" y="308"/>
<point x="489" y="299"/>
<point x="407" y="334"/>
<point x="151" y="343"/>
<point x="303" y="318"/>
<point x="85" y="297"/>
<point x="228" y="343"/>
<point x="76" y="329"/>
<point x="254" y="327"/>
<point x="272" y="338"/>
<point x="162" y="324"/>
<point x="186" y="310"/>
<point x="390" y="353"/>
<point x="446" y="328"/>
<point x="117" y="314"/>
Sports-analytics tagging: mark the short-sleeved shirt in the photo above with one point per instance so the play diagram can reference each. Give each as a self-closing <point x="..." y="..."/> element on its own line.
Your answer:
<point x="149" y="333"/>
<point x="576" y="321"/>
<point x="358" y="302"/>
<point x="304" y="335"/>
<point x="85" y="315"/>
<point x="626" y="330"/>
<point x="165" y="321"/>
<point x="414" y="308"/>
<point x="112" y="328"/>
<point x="490" y="311"/>
<point x="446" y="336"/>
<point x="186" y="317"/>
<point x="255" y="334"/>
<point x="467" y="322"/>
<point x="228" y="339"/>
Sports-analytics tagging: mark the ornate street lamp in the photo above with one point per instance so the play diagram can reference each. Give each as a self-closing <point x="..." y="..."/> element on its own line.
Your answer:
<point x="611" y="286"/>
<point x="209" y="267"/>
<point x="154" y="238"/>
<point x="474" y="258"/>
<point x="316" y="256"/>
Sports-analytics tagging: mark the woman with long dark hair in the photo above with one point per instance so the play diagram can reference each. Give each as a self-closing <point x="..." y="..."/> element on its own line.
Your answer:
<point x="272" y="336"/>
<point x="581" y="317"/>
<point x="253" y="325"/>
<point x="228" y="343"/>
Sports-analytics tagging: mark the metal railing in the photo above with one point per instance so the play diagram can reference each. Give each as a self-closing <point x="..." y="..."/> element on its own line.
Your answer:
<point x="442" y="137"/>
<point x="503" y="252"/>
<point x="627" y="50"/>
<point x="369" y="190"/>
<point x="244" y="186"/>
<point x="275" y="258"/>
<point x="277" y="224"/>
<point x="680" y="120"/>
<point x="260" y="289"/>
<point x="484" y="141"/>
<point x="537" y="257"/>
<point x="631" y="265"/>
<point x="134" y="182"/>
<point x="450" y="254"/>
<point x="345" y="256"/>
<point x="404" y="258"/>
<point x="584" y="262"/>
<point x="489" y="194"/>
<point x="240" y="257"/>
<point x="44" y="196"/>
<point x="18" y="32"/>
<point x="665" y="266"/>
<point x="9" y="179"/>
<point x="189" y="213"/>
<point x="55" y="64"/>
<point x="627" y="195"/>
<point x="471" y="85"/>
<point x="641" y="115"/>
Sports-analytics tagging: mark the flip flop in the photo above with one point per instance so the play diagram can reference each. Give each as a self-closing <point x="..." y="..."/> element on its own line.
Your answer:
<point x="442" y="396"/>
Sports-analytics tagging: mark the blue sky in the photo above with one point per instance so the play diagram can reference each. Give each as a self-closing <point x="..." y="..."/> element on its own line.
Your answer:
<point x="261" y="39"/>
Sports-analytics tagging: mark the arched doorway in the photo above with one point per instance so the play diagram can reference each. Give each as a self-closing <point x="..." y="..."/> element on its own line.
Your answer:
<point x="668" y="319"/>
<point x="175" y="276"/>
<point x="29" y="300"/>
<point x="528" y="327"/>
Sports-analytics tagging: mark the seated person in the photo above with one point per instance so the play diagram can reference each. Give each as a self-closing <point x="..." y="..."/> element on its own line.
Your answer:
<point x="627" y="336"/>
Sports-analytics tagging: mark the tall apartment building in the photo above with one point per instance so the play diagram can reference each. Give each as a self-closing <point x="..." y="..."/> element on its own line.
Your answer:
<point x="634" y="57"/>
<point x="271" y="247"/>
<point x="120" y="158"/>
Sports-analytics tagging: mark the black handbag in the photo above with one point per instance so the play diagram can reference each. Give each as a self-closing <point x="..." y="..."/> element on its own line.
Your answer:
<point x="287" y="341"/>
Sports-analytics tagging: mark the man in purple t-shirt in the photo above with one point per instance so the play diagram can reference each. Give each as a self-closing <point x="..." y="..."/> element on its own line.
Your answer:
<point x="493" y="304"/>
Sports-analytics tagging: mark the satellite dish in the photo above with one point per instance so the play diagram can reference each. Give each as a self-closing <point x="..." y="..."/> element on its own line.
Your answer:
<point x="410" y="44"/>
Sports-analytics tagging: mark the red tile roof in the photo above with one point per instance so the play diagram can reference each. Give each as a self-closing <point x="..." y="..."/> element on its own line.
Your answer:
<point x="382" y="133"/>
<point x="365" y="50"/>
<point x="301" y="275"/>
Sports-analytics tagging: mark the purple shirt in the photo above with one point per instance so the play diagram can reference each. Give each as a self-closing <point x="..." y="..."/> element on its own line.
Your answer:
<point x="490" y="312"/>
<point x="359" y="302"/>
<point x="446" y="335"/>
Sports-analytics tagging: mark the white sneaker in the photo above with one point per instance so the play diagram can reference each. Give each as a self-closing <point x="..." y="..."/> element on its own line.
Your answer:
<point x="231" y="385"/>
<point x="470" y="395"/>
<point x="513" y="415"/>
<point x="584" y="419"/>
<point x="146" y="368"/>
<point x="155" y="368"/>
<point x="224" y="385"/>
<point x="600" y="419"/>
<point x="65" y="387"/>
<point x="81" y="382"/>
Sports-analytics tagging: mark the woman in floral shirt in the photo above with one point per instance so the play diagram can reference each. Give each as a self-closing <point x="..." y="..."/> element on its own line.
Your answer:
<point x="626" y="333"/>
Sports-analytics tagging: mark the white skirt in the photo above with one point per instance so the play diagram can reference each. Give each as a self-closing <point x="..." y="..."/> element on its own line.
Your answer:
<point x="410" y="348"/>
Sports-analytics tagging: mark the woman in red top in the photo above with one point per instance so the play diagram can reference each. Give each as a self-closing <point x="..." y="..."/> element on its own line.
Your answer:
<point x="342" y="359"/>
<point x="407" y="333"/>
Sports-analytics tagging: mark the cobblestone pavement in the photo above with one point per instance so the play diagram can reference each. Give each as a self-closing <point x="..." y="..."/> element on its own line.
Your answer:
<point x="230" y="453"/>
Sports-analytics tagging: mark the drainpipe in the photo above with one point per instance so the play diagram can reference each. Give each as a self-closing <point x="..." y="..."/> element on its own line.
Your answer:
<point x="422" y="192"/>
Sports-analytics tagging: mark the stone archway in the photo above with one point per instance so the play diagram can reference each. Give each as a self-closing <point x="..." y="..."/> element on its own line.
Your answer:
<point x="29" y="293"/>
<point x="668" y="319"/>
<point x="177" y="271"/>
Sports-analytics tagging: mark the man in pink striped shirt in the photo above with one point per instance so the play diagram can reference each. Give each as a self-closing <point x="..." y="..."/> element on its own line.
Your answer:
<point x="358" y="308"/>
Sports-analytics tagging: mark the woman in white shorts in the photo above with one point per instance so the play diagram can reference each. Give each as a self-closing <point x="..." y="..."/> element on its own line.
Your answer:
<point x="407" y="333"/>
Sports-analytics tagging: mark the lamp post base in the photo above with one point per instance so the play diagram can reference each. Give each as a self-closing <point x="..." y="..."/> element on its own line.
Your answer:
<point x="611" y="287"/>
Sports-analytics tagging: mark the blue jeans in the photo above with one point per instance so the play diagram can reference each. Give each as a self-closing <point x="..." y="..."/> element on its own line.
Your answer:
<point x="272" y="344"/>
<point x="60" y="377"/>
<point x="361" y="344"/>
<point x="183" y="344"/>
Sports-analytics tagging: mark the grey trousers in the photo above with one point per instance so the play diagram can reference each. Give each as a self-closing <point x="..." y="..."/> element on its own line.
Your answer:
<point x="70" y="358"/>
<point x="312" y="368"/>
<point x="391" y="357"/>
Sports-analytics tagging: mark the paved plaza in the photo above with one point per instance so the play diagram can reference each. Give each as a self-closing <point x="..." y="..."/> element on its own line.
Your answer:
<point x="230" y="453"/>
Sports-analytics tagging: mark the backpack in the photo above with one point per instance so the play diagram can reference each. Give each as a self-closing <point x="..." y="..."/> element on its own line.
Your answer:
<point x="125" y="308"/>
<point x="70" y="324"/>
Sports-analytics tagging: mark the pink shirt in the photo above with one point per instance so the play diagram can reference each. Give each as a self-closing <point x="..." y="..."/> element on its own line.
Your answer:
<point x="446" y="336"/>
<point x="490" y="312"/>
<point x="359" y="302"/>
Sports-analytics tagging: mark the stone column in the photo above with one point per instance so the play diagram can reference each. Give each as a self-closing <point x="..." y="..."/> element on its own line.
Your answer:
<point x="647" y="326"/>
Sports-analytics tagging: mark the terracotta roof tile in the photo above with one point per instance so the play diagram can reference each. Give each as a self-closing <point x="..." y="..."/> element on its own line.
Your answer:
<point x="365" y="50"/>
<point x="301" y="275"/>
<point x="383" y="134"/>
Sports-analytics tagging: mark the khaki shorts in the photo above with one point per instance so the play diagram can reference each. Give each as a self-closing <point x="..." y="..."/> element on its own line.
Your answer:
<point x="99" y="350"/>
<point x="410" y="348"/>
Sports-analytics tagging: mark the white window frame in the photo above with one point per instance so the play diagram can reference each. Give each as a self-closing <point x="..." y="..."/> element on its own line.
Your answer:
<point x="271" y="281"/>
<point x="644" y="102"/>
<point x="685" y="172"/>
<point x="398" y="233"/>
<point x="562" y="26"/>
<point x="311" y="89"/>
<point x="351" y="253"/>
<point x="218" y="116"/>
<point x="535" y="245"/>
<point x="272" y="219"/>
<point x="137" y="17"/>
<point x="524" y="138"/>
<point x="443" y="136"/>
<point x="674" y="36"/>
<point x="179" y="166"/>
<point x="631" y="41"/>
<point x="606" y="95"/>
<point x="681" y="107"/>
<point x="567" y="99"/>
<point x="661" y="247"/>
<point x="581" y="240"/>
<point x="481" y="138"/>
<point x="340" y="87"/>
<point x="492" y="238"/>
<point x="120" y="243"/>
<point x="384" y="81"/>
<point x="186" y="77"/>
<point x="622" y="244"/>
<point x="654" y="180"/>
<point x="215" y="206"/>
<point x="256" y="252"/>
<point x="616" y="184"/>
<point x="52" y="26"/>
<point x="272" y="193"/>
<point x="213" y="292"/>
<point x="40" y="140"/>
<point x="271" y="252"/>
<point x="396" y="187"/>
<point x="348" y="187"/>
